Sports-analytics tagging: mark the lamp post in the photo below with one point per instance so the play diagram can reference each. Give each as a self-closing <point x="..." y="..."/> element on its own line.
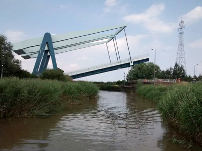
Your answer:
<point x="2" y="66"/>
<point x="124" y="78"/>
<point x="154" y="63"/>
<point x="195" y="69"/>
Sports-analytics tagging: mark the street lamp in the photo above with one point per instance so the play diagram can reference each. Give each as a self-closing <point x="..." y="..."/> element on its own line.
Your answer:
<point x="2" y="66"/>
<point x="124" y="78"/>
<point x="154" y="62"/>
<point x="195" y="69"/>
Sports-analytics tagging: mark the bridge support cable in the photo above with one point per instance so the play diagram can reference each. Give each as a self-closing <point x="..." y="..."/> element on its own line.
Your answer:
<point x="127" y="45"/>
<point x="117" y="48"/>
<point x="115" y="51"/>
<point x="108" y="53"/>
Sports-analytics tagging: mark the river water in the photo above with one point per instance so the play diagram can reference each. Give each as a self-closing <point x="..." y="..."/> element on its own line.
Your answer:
<point x="117" y="121"/>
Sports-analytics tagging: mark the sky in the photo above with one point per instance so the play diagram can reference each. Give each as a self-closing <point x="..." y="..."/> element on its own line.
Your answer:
<point x="151" y="24"/>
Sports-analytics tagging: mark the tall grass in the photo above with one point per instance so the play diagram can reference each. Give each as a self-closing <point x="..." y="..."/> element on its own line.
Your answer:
<point x="152" y="92"/>
<point x="181" y="105"/>
<point x="78" y="90"/>
<point x="35" y="97"/>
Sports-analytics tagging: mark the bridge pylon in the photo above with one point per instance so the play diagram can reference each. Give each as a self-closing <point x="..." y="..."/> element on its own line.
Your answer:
<point x="44" y="55"/>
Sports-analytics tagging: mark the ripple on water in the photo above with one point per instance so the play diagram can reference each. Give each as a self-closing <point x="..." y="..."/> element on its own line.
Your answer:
<point x="119" y="121"/>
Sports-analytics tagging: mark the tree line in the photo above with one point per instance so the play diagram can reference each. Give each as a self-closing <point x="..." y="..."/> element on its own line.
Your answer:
<point x="150" y="71"/>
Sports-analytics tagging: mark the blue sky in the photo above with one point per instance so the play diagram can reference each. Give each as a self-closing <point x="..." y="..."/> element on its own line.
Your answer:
<point x="151" y="24"/>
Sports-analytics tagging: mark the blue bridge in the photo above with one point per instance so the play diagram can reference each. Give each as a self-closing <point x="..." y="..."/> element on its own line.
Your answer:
<point x="107" y="67"/>
<point x="45" y="48"/>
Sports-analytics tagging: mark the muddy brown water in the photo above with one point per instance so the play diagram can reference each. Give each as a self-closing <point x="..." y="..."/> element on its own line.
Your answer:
<point x="117" y="121"/>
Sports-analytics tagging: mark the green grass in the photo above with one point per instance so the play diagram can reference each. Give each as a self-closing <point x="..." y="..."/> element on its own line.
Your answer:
<point x="152" y="92"/>
<point x="78" y="90"/>
<point x="178" y="104"/>
<point x="183" y="105"/>
<point x="32" y="97"/>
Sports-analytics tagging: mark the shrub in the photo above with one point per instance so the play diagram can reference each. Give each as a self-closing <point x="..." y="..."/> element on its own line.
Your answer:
<point x="109" y="86"/>
<point x="25" y="74"/>
<point x="54" y="74"/>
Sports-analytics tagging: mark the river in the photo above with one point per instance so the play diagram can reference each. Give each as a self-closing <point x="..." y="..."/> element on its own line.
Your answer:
<point x="117" y="121"/>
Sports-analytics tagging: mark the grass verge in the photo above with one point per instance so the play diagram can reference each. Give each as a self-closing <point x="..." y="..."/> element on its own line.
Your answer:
<point x="180" y="105"/>
<point x="31" y="97"/>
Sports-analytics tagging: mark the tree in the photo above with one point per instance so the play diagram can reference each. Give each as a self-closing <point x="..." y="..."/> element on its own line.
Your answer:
<point x="146" y="71"/>
<point x="179" y="72"/>
<point x="188" y="78"/>
<point x="200" y="77"/>
<point x="143" y="71"/>
<point x="167" y="74"/>
<point x="10" y="65"/>
<point x="25" y="74"/>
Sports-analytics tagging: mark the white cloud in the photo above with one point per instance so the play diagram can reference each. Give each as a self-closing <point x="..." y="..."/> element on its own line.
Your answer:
<point x="15" y="36"/>
<point x="61" y="6"/>
<point x="150" y="19"/>
<point x="193" y="16"/>
<point x="197" y="44"/>
<point x="110" y="3"/>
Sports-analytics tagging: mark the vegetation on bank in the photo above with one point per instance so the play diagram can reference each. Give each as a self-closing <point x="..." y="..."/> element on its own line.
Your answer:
<point x="146" y="71"/>
<point x="31" y="97"/>
<point x="111" y="86"/>
<point x="55" y="74"/>
<point x="181" y="105"/>
<point x="152" y="92"/>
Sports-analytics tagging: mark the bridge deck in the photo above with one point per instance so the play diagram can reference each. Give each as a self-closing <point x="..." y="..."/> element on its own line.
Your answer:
<point x="107" y="67"/>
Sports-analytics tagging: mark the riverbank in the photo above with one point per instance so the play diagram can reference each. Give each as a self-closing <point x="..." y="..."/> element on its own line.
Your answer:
<point x="35" y="97"/>
<point x="115" y="86"/>
<point x="180" y="105"/>
<point x="109" y="86"/>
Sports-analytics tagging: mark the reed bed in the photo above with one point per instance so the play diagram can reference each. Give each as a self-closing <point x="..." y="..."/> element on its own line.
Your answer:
<point x="152" y="92"/>
<point x="180" y="105"/>
<point x="30" y="97"/>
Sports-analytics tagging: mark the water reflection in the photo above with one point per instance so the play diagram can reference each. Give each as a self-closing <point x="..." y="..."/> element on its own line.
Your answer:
<point x="117" y="121"/>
